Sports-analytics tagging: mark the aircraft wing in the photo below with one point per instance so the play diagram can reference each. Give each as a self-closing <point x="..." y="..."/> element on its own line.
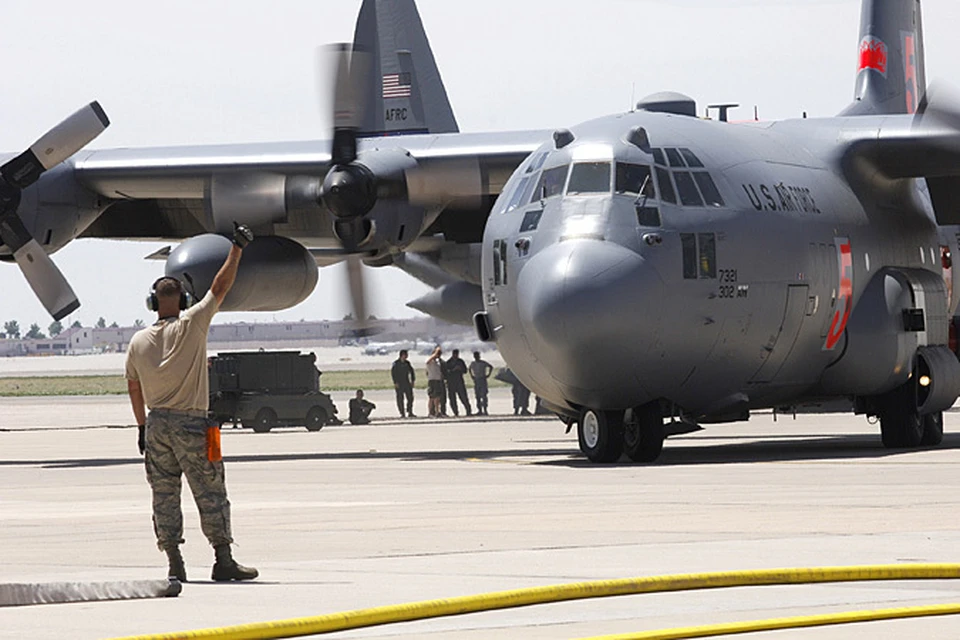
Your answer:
<point x="927" y="146"/>
<point x="177" y="192"/>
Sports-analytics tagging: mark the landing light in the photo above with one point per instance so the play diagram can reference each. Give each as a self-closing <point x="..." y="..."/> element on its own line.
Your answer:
<point x="925" y="381"/>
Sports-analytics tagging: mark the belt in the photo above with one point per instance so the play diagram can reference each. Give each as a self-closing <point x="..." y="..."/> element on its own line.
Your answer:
<point x="187" y="413"/>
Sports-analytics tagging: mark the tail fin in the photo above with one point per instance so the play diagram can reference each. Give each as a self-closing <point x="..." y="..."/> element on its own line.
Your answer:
<point x="891" y="78"/>
<point x="405" y="94"/>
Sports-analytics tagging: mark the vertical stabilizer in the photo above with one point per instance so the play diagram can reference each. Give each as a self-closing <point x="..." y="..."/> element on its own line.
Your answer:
<point x="890" y="71"/>
<point x="405" y="94"/>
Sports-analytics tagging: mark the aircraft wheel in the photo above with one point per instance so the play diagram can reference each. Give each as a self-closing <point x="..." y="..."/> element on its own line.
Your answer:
<point x="901" y="425"/>
<point x="316" y="418"/>
<point x="932" y="429"/>
<point x="643" y="434"/>
<point x="264" y="420"/>
<point x="601" y="435"/>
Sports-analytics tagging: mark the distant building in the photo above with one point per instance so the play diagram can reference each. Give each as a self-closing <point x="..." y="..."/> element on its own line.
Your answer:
<point x="269" y="335"/>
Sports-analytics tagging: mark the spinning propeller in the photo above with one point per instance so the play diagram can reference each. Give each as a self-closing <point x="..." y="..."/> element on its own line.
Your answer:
<point x="58" y="144"/>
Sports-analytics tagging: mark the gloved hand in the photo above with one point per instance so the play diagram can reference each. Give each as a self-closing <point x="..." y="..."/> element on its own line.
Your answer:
<point x="142" y="439"/>
<point x="242" y="235"/>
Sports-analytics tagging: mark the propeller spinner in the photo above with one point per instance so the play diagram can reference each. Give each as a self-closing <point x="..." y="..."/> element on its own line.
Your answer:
<point x="58" y="144"/>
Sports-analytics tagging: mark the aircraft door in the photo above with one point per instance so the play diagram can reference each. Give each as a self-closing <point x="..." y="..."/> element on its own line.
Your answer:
<point x="793" y="314"/>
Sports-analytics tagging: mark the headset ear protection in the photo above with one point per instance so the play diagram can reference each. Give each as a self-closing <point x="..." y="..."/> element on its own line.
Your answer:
<point x="153" y="303"/>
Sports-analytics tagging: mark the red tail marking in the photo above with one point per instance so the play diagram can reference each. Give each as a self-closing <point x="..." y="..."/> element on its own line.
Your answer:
<point x="873" y="54"/>
<point x="910" y="71"/>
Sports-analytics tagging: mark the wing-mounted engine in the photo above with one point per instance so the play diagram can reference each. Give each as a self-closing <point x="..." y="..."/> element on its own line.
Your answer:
<point x="275" y="273"/>
<point x="901" y="313"/>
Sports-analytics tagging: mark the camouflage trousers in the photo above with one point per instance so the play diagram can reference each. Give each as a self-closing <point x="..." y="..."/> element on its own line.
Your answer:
<point x="176" y="446"/>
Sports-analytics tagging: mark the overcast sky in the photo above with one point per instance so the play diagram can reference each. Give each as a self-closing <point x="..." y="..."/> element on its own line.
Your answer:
<point x="188" y="72"/>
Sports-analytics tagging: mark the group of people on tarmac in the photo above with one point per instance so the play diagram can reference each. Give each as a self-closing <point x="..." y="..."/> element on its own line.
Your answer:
<point x="445" y="381"/>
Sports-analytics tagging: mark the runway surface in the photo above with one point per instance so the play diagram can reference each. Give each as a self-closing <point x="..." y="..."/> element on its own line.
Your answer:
<point x="402" y="511"/>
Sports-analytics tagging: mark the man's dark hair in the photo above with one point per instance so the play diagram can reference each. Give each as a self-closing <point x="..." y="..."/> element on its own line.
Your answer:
<point x="476" y="355"/>
<point x="360" y="392"/>
<point x="403" y="352"/>
<point x="167" y="288"/>
<point x="455" y="353"/>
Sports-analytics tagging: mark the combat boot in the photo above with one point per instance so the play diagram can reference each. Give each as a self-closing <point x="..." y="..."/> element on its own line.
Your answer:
<point x="226" y="568"/>
<point x="176" y="568"/>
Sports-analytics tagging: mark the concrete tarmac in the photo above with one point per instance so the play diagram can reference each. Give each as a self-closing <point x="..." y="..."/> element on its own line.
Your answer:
<point x="402" y="511"/>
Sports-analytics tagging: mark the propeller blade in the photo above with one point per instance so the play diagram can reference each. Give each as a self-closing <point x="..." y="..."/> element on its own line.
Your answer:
<point x="41" y="273"/>
<point x="351" y="70"/>
<point x="358" y="295"/>
<point x="56" y="145"/>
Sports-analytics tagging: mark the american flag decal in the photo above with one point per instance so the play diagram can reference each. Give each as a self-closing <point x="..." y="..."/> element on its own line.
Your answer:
<point x="396" y="85"/>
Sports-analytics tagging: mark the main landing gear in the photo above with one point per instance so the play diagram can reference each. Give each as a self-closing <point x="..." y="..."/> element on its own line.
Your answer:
<point x="605" y="435"/>
<point x="901" y="425"/>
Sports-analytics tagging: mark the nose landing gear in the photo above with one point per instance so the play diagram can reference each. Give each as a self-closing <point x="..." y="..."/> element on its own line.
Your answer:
<point x="601" y="435"/>
<point x="643" y="433"/>
<point x="605" y="435"/>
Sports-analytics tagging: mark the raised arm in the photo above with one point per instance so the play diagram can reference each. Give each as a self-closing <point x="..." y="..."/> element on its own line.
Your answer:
<point x="227" y="275"/>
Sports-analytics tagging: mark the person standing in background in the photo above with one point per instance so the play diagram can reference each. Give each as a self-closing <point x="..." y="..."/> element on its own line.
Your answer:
<point x="480" y="371"/>
<point x="404" y="378"/>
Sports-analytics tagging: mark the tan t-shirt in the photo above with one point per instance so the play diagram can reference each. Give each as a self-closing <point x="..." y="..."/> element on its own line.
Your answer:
<point x="169" y="359"/>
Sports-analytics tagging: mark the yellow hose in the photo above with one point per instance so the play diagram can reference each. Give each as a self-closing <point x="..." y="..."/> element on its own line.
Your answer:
<point x="796" y="622"/>
<point x="296" y="627"/>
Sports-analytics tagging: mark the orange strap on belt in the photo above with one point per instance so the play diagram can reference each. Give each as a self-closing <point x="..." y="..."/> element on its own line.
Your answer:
<point x="214" y="454"/>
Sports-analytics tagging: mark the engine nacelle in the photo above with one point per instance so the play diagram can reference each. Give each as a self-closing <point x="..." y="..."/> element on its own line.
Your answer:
<point x="455" y="303"/>
<point x="899" y="311"/>
<point x="275" y="272"/>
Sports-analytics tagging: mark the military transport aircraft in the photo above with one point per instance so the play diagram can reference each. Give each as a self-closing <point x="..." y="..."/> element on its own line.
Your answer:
<point x="643" y="267"/>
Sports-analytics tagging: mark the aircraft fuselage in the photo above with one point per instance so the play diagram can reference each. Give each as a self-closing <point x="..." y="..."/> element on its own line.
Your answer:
<point x="729" y="284"/>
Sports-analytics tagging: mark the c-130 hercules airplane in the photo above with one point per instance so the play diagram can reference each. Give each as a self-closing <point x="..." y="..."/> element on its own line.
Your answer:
<point x="642" y="267"/>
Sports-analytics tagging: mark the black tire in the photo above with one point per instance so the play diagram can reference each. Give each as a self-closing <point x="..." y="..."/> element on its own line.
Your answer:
<point x="643" y="435"/>
<point x="265" y="419"/>
<point x="316" y="418"/>
<point x="901" y="425"/>
<point x="600" y="434"/>
<point x="932" y="429"/>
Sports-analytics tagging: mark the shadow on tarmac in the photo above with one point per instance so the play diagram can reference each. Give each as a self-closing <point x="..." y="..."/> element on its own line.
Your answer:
<point x="789" y="448"/>
<point x="734" y="450"/>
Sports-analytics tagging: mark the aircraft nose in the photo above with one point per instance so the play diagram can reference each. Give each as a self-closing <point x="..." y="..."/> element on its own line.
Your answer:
<point x="591" y="307"/>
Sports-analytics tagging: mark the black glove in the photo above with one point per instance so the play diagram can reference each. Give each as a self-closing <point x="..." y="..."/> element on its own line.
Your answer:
<point x="242" y="236"/>
<point x="142" y="439"/>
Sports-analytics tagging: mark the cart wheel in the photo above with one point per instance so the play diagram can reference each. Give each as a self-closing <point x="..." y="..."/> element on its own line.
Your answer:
<point x="316" y="418"/>
<point x="264" y="420"/>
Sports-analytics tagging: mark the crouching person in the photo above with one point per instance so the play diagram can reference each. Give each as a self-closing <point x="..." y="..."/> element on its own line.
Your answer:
<point x="360" y="409"/>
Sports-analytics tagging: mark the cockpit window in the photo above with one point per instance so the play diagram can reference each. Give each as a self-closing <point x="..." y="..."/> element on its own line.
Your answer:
<point x="691" y="158"/>
<point x="551" y="182"/>
<point x="537" y="163"/>
<point x="687" y="188"/>
<point x="517" y="198"/>
<point x="708" y="188"/>
<point x="658" y="157"/>
<point x="632" y="177"/>
<point x="589" y="177"/>
<point x="674" y="157"/>
<point x="667" y="194"/>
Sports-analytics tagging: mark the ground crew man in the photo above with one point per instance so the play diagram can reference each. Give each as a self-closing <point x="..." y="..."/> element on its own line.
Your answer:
<point x="480" y="370"/>
<point x="166" y="372"/>
<point x="360" y="409"/>
<point x="435" y="387"/>
<point x="404" y="378"/>
<point x="456" y="369"/>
